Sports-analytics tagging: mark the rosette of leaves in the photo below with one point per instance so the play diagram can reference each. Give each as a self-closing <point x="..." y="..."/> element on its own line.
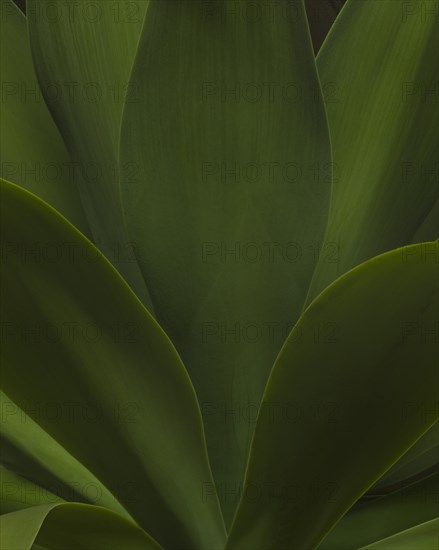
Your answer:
<point x="219" y="273"/>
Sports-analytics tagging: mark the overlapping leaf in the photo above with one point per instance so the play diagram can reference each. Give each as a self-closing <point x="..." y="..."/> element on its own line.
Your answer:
<point x="26" y="449"/>
<point x="421" y="537"/>
<point x="230" y="198"/>
<point x="83" y="54"/>
<point x="185" y="155"/>
<point x="344" y="383"/>
<point x="17" y="492"/>
<point x="419" y="460"/>
<point x="384" y="128"/>
<point x="80" y="340"/>
<point x="372" y="521"/>
<point x="321" y="16"/>
<point x="32" y="152"/>
<point x="378" y="68"/>
<point x="66" y="526"/>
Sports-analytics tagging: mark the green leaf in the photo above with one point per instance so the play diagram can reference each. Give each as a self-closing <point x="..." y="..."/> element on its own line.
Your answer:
<point x="67" y="526"/>
<point x="231" y="196"/>
<point x="368" y="522"/>
<point x="422" y="457"/>
<point x="17" y="492"/>
<point x="83" y="54"/>
<point x="429" y="229"/>
<point x="321" y="16"/>
<point x="339" y="406"/>
<point x="26" y="449"/>
<point x="421" y="537"/>
<point x="32" y="153"/>
<point x="383" y="117"/>
<point x="384" y="128"/>
<point x="78" y="342"/>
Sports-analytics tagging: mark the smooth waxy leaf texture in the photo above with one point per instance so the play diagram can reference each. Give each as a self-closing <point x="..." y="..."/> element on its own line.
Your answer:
<point x="32" y="152"/>
<point x="369" y="522"/>
<point x="83" y="54"/>
<point x="421" y="537"/>
<point x="67" y="526"/>
<point x="383" y="119"/>
<point x="230" y="198"/>
<point x="344" y="383"/>
<point x="17" y="492"/>
<point x="419" y="459"/>
<point x="78" y="338"/>
<point x="384" y="128"/>
<point x="26" y="449"/>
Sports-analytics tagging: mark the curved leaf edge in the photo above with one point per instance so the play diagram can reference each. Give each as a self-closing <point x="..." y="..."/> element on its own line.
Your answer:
<point x="30" y="197"/>
<point x="432" y="525"/>
<point x="66" y="507"/>
<point x="314" y="303"/>
<point x="49" y="210"/>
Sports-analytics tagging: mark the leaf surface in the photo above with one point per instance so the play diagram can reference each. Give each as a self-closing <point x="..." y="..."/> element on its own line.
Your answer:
<point x="321" y="16"/>
<point x="232" y="193"/>
<point x="83" y="54"/>
<point x="66" y="526"/>
<point x="421" y="537"/>
<point x="32" y="152"/>
<point x="384" y="128"/>
<point x="421" y="458"/>
<point x="338" y="408"/>
<point x="78" y="335"/>
<point x="377" y="518"/>
<point x="27" y="450"/>
<point x="17" y="492"/>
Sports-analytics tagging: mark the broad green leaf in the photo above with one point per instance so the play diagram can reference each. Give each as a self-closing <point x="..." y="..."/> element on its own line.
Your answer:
<point x="382" y="517"/>
<point x="26" y="449"/>
<point x="338" y="408"/>
<point x="83" y="54"/>
<point x="321" y="16"/>
<point x="383" y="118"/>
<point x="79" y="342"/>
<point x="231" y="196"/>
<point x="67" y="526"/>
<point x="32" y="152"/>
<point x="384" y="128"/>
<point x="421" y="537"/>
<point x="422" y="457"/>
<point x="17" y="492"/>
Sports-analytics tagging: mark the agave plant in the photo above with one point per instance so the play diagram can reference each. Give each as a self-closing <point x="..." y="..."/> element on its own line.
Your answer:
<point x="219" y="266"/>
